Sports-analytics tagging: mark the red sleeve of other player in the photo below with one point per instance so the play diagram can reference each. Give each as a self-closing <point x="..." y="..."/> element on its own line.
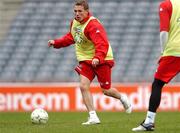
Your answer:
<point x="165" y="12"/>
<point x="97" y="34"/>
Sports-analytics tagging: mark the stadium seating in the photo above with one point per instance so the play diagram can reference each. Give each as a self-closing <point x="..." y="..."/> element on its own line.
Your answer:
<point x="132" y="27"/>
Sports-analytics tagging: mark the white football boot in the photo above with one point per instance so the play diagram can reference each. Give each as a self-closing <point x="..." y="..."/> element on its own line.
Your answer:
<point x="126" y="104"/>
<point x="144" y="127"/>
<point x="92" y="121"/>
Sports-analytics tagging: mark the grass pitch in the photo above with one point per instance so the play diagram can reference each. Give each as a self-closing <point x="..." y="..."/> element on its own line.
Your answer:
<point x="70" y="122"/>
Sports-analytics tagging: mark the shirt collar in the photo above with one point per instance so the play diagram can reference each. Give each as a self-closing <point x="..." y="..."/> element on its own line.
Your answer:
<point x="86" y="19"/>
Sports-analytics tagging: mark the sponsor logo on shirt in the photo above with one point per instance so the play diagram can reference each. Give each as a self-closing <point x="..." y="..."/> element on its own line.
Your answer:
<point x="78" y="36"/>
<point x="178" y="20"/>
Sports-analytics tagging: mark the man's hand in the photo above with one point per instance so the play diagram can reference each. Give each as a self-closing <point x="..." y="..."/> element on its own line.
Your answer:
<point x="50" y="43"/>
<point x="95" y="62"/>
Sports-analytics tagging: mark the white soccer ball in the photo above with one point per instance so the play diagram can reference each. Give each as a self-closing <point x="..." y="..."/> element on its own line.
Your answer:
<point x="39" y="116"/>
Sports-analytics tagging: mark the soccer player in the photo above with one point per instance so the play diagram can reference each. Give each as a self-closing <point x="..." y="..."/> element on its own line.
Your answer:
<point x="94" y="55"/>
<point x="169" y="63"/>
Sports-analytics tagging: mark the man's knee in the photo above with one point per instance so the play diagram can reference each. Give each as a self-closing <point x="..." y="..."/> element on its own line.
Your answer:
<point x="157" y="84"/>
<point x="83" y="87"/>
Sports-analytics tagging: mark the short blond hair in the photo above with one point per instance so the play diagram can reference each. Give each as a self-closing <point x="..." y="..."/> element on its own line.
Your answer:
<point x="83" y="3"/>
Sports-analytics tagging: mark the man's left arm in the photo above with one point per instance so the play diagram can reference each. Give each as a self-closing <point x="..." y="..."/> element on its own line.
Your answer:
<point x="97" y="34"/>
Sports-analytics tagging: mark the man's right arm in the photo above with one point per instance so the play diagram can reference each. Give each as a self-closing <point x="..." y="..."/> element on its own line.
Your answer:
<point x="163" y="39"/>
<point x="64" y="41"/>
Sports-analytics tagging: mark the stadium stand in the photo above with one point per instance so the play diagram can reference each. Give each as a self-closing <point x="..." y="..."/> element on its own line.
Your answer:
<point x="132" y="26"/>
<point x="8" y="10"/>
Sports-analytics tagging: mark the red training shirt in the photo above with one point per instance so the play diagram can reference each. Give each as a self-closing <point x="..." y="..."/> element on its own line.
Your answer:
<point x="99" y="40"/>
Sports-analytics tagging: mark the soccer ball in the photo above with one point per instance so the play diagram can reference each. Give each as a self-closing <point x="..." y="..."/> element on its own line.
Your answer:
<point x="39" y="116"/>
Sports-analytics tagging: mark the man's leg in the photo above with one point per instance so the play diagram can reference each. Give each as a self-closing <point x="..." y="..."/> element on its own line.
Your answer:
<point x="168" y="68"/>
<point x="86" y="95"/>
<point x="103" y="73"/>
<point x="88" y="101"/>
<point x="112" y="92"/>
<point x="154" y="102"/>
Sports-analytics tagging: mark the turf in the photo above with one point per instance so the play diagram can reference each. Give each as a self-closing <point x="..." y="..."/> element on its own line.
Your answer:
<point x="70" y="122"/>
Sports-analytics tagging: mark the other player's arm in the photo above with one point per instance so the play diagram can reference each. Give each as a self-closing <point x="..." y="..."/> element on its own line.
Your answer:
<point x="165" y="11"/>
<point x="163" y="40"/>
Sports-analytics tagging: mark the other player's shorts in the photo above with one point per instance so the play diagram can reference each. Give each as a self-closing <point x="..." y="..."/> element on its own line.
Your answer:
<point x="103" y="73"/>
<point x="169" y="66"/>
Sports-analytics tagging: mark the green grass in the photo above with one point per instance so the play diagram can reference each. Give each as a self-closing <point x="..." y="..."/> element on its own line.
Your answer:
<point x="70" y="122"/>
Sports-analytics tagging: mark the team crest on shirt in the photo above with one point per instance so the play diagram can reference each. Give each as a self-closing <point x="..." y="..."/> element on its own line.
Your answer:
<point x="77" y="30"/>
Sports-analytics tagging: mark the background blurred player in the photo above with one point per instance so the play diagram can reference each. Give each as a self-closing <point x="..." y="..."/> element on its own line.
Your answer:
<point x="94" y="54"/>
<point x="169" y="63"/>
